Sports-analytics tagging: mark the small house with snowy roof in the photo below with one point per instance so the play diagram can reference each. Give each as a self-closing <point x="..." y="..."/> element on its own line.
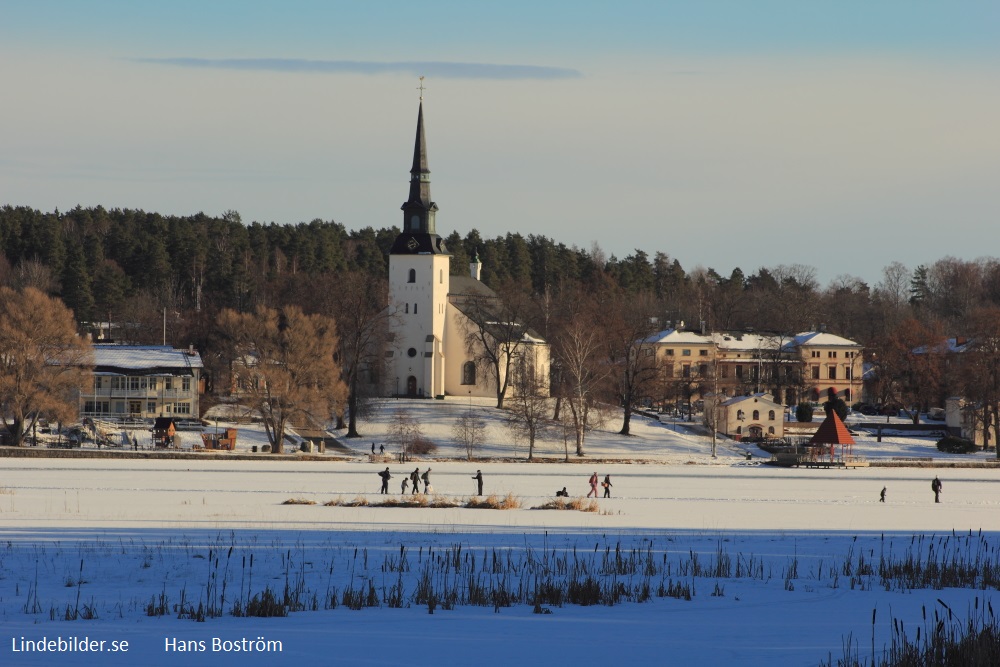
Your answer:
<point x="755" y="417"/>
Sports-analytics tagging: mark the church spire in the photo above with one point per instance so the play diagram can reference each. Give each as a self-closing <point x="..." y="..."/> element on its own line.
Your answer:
<point x="420" y="173"/>
<point x="419" y="231"/>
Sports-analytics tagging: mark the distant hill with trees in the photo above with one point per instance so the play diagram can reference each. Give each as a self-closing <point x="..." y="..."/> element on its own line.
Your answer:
<point x="136" y="270"/>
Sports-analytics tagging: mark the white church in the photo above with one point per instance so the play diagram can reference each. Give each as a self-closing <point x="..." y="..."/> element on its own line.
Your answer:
<point x="432" y="353"/>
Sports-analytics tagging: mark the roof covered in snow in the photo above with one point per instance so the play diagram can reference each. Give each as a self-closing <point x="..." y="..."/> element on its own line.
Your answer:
<point x="759" y="397"/>
<point x="146" y="359"/>
<point x="820" y="338"/>
<point x="680" y="337"/>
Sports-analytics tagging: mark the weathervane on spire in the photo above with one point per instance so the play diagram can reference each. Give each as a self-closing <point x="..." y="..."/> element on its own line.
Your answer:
<point x="421" y="89"/>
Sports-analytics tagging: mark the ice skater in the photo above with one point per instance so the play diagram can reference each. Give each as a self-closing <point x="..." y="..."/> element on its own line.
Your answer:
<point x="385" y="480"/>
<point x="936" y="488"/>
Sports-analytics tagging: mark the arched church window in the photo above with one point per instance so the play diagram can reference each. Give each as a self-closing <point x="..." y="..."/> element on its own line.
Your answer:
<point x="770" y="430"/>
<point x="469" y="373"/>
<point x="413" y="276"/>
<point x="770" y="415"/>
<point x="756" y="415"/>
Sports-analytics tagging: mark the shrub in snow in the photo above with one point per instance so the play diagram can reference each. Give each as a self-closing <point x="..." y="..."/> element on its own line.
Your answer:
<point x="952" y="444"/>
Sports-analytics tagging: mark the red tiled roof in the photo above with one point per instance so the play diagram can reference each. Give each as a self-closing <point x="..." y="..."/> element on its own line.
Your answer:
<point x="832" y="432"/>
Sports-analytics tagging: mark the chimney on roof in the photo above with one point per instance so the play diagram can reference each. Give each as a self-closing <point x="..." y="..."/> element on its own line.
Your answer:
<point x="680" y="325"/>
<point x="702" y="327"/>
<point x="190" y="350"/>
<point x="822" y="327"/>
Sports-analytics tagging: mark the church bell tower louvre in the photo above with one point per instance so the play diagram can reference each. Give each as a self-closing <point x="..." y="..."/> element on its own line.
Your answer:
<point x="418" y="286"/>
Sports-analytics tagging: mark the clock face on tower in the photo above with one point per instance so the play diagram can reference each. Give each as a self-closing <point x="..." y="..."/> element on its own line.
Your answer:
<point x="412" y="244"/>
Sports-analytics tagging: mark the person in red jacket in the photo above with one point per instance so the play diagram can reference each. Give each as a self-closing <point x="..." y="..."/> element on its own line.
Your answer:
<point x="593" y="485"/>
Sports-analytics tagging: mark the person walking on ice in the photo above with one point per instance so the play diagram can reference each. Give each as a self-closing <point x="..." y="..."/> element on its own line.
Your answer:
<point x="415" y="480"/>
<point x="406" y="480"/>
<point x="936" y="488"/>
<point x="593" y="485"/>
<point x="427" y="480"/>
<point x="479" y="482"/>
<point x="881" y="496"/>
<point x="385" y="480"/>
<point x="607" y="486"/>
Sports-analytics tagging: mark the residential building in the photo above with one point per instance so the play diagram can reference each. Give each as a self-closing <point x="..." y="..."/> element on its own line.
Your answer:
<point x="753" y="417"/>
<point x="143" y="382"/>
<point x="810" y="366"/>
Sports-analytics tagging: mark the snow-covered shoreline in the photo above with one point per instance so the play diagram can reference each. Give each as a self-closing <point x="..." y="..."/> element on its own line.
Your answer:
<point x="109" y="537"/>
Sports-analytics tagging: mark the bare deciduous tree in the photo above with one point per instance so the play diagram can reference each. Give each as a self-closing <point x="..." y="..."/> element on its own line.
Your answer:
<point x="405" y="432"/>
<point x="285" y="360"/>
<point x="909" y="366"/>
<point x="43" y="362"/>
<point x="357" y="302"/>
<point x="495" y="333"/>
<point x="632" y="322"/>
<point x="469" y="430"/>
<point x="528" y="408"/>
<point x="980" y="371"/>
<point x="583" y="371"/>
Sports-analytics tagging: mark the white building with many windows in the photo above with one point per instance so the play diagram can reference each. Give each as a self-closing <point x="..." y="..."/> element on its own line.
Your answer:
<point x="143" y="382"/>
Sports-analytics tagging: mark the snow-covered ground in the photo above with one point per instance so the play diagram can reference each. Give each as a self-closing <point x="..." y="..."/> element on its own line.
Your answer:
<point x="777" y="562"/>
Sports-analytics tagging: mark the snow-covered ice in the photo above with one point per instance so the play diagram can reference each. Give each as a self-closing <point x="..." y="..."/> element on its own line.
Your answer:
<point x="144" y="529"/>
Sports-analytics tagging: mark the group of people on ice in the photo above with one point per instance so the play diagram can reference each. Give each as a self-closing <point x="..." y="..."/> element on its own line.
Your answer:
<point x="414" y="478"/>
<point x="593" y="481"/>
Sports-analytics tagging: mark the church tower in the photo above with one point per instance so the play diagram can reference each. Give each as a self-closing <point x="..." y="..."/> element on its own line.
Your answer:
<point x="418" y="286"/>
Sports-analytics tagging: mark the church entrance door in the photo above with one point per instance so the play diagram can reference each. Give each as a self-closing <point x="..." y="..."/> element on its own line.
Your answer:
<point x="411" y="386"/>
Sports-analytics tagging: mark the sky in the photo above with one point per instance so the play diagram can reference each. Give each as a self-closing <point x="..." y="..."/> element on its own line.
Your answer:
<point x="839" y="135"/>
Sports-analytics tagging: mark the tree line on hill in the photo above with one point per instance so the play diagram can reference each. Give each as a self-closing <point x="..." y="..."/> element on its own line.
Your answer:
<point x="140" y="271"/>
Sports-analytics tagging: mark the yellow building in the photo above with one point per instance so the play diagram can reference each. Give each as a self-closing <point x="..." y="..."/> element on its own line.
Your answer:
<point x="810" y="366"/>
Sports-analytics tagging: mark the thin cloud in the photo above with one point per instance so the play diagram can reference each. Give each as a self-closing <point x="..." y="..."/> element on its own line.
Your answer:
<point x="444" y="70"/>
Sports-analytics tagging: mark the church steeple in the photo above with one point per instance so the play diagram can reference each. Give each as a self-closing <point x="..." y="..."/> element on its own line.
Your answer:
<point x="418" y="211"/>
<point x="419" y="231"/>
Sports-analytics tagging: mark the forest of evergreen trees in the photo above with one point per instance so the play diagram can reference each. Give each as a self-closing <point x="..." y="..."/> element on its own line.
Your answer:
<point x="127" y="265"/>
<point x="156" y="279"/>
